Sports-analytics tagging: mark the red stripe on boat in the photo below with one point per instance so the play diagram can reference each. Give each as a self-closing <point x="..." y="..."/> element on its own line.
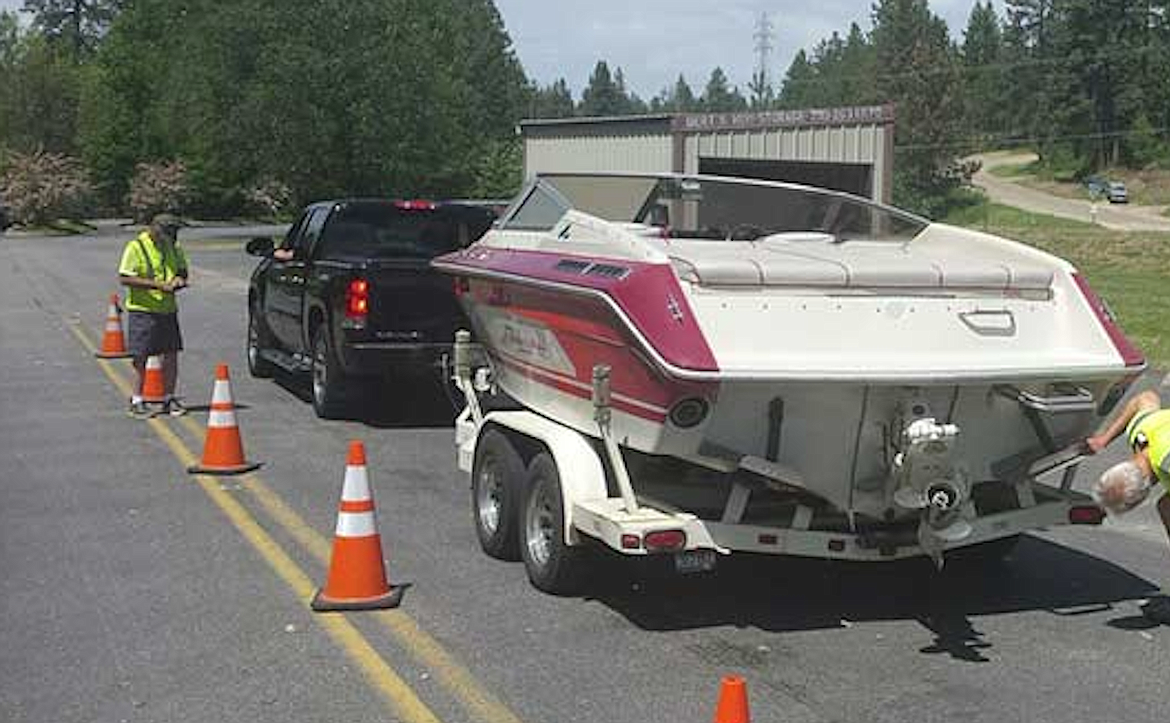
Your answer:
<point x="649" y="295"/>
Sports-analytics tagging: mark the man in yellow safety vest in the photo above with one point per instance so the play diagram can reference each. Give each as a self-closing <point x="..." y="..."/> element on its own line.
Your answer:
<point x="153" y="268"/>
<point x="1124" y="486"/>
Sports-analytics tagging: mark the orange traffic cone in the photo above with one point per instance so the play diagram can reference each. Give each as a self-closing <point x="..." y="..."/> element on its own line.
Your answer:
<point x="357" y="574"/>
<point x="153" y="385"/>
<point x="113" y="340"/>
<point x="223" y="450"/>
<point x="733" y="701"/>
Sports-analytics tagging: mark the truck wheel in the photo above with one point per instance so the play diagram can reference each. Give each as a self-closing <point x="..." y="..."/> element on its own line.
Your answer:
<point x="496" y="476"/>
<point x="552" y="565"/>
<point x="328" y="381"/>
<point x="258" y="340"/>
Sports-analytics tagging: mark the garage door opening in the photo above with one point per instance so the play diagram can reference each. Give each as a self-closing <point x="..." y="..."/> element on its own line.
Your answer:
<point x="850" y="178"/>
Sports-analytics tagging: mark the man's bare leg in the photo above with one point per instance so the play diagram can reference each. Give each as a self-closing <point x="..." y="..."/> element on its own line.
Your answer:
<point x="170" y="369"/>
<point x="139" y="375"/>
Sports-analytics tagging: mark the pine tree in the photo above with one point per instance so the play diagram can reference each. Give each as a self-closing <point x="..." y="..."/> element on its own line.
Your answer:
<point x="720" y="96"/>
<point x="917" y="69"/>
<point x="77" y="24"/>
<point x="800" y="83"/>
<point x="601" y="97"/>
<point x="983" y="75"/>
<point x="553" y="101"/>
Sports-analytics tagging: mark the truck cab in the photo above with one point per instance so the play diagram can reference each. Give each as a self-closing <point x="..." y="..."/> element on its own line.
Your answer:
<point x="348" y="294"/>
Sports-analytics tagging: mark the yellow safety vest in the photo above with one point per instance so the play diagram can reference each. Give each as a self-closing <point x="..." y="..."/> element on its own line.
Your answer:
<point x="1151" y="431"/>
<point x="144" y="259"/>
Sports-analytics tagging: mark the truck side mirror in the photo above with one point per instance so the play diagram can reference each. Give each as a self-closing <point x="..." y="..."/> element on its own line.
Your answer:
<point x="259" y="246"/>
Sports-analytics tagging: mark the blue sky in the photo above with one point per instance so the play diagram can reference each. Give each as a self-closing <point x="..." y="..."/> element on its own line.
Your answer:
<point x="654" y="40"/>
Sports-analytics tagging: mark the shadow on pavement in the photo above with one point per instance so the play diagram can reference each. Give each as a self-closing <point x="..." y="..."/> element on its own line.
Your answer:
<point x="786" y="595"/>
<point x="421" y="402"/>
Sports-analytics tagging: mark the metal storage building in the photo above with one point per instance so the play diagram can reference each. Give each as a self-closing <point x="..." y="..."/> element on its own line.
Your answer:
<point x="848" y="149"/>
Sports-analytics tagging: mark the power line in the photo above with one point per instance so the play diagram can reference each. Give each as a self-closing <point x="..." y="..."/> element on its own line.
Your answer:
<point x="964" y="68"/>
<point x="1022" y="141"/>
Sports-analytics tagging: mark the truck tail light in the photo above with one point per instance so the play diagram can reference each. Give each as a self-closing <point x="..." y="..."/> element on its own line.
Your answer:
<point x="416" y="204"/>
<point x="1130" y="354"/>
<point x="357" y="299"/>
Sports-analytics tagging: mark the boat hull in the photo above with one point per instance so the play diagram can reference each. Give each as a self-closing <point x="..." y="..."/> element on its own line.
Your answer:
<point x="836" y="435"/>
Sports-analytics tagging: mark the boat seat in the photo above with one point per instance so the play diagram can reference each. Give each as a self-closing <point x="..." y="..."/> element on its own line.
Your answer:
<point x="856" y="265"/>
<point x="709" y="263"/>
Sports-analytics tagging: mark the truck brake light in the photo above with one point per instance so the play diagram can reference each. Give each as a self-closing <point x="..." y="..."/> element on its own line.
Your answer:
<point x="416" y="205"/>
<point x="357" y="299"/>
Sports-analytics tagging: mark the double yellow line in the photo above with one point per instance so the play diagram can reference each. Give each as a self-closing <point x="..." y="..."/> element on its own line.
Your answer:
<point x="478" y="702"/>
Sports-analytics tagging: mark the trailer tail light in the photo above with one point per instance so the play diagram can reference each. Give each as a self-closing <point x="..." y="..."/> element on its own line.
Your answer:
<point x="357" y="300"/>
<point x="1130" y="354"/>
<point x="631" y="542"/>
<point x="665" y="541"/>
<point x="1085" y="515"/>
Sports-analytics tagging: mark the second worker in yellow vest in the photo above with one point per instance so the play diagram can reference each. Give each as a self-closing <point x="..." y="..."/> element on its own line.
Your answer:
<point x="1125" y="485"/>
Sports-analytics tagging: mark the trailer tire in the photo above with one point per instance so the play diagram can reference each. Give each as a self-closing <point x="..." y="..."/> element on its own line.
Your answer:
<point x="497" y="476"/>
<point x="552" y="565"/>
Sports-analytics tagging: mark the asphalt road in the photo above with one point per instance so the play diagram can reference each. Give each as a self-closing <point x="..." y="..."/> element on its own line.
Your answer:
<point x="1117" y="217"/>
<point x="132" y="591"/>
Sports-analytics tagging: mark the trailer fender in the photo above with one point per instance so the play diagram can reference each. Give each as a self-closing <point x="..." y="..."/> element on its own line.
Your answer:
<point x="580" y="469"/>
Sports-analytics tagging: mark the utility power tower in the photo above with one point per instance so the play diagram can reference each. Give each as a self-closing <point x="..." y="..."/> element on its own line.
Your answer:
<point x="764" y="36"/>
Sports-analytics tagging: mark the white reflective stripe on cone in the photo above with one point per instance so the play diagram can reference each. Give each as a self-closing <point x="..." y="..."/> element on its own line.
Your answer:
<point x="153" y="362"/>
<point x="357" y="484"/>
<point x="356" y="524"/>
<point x="221" y="393"/>
<point x="113" y="325"/>
<point x="221" y="418"/>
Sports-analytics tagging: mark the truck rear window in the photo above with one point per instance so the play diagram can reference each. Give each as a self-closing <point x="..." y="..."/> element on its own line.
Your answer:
<point x="390" y="232"/>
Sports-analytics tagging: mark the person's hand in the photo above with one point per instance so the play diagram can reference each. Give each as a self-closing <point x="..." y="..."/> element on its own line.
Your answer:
<point x="1096" y="443"/>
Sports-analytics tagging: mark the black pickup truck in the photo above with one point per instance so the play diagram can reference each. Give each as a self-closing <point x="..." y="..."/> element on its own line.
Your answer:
<point x="349" y="294"/>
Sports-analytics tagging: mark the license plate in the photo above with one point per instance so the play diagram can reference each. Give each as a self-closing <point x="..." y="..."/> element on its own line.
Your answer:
<point x="692" y="561"/>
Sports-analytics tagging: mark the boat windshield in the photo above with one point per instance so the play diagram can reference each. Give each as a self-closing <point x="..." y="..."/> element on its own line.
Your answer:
<point x="707" y="208"/>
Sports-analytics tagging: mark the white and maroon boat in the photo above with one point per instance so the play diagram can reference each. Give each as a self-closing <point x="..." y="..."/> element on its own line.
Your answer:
<point x="777" y="357"/>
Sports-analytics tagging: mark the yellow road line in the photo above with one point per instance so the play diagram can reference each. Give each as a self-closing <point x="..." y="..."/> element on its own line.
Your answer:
<point x="446" y="670"/>
<point x="401" y="697"/>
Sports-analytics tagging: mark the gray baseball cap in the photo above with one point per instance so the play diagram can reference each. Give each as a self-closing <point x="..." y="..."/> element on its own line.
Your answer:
<point x="168" y="221"/>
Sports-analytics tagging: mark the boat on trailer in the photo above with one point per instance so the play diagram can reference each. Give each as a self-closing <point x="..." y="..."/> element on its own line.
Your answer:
<point x="770" y="367"/>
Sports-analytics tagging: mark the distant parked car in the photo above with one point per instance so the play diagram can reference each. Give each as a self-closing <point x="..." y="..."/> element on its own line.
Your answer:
<point x="1116" y="192"/>
<point x="1096" y="186"/>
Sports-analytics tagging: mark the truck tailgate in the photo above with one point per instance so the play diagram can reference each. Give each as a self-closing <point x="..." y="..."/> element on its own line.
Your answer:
<point x="410" y="302"/>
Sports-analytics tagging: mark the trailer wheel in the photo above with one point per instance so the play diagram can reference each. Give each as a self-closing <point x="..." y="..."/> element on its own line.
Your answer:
<point x="496" y="476"/>
<point x="553" y="566"/>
